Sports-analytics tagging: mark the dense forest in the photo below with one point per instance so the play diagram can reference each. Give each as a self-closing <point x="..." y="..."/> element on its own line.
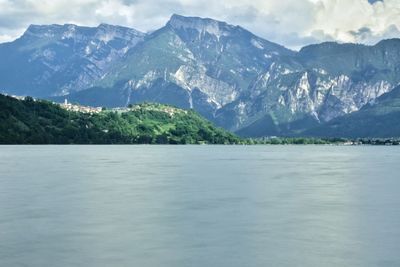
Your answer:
<point x="32" y="121"/>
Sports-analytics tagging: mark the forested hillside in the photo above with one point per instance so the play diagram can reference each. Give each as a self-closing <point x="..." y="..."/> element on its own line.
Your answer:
<point x="32" y="121"/>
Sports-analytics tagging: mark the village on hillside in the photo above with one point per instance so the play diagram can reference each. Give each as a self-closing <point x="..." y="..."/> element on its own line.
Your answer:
<point x="79" y="108"/>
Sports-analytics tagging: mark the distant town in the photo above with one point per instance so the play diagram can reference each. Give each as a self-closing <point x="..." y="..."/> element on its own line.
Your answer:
<point x="79" y="108"/>
<point x="92" y="110"/>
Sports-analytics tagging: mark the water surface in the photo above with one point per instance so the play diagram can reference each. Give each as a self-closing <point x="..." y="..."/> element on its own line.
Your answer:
<point x="180" y="206"/>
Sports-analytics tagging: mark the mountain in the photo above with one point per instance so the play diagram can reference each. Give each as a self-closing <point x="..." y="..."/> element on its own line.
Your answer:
<point x="323" y="82"/>
<point x="60" y="59"/>
<point x="232" y="77"/>
<point x="32" y="121"/>
<point x="379" y="119"/>
<point x="191" y="63"/>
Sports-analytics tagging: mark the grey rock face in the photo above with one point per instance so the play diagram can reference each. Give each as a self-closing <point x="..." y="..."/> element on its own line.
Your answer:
<point x="59" y="59"/>
<point x="229" y="75"/>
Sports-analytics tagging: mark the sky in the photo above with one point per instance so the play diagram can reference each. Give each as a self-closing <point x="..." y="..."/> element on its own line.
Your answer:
<point x="292" y="23"/>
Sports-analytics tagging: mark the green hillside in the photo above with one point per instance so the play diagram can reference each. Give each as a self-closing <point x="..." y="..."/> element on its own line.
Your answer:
<point x="41" y="122"/>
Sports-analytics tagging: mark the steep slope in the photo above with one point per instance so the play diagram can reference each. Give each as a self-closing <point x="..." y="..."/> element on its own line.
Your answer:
<point x="322" y="82"/>
<point x="192" y="62"/>
<point x="59" y="59"/>
<point x="230" y="76"/>
<point x="378" y="119"/>
<point x="241" y="81"/>
<point x="41" y="122"/>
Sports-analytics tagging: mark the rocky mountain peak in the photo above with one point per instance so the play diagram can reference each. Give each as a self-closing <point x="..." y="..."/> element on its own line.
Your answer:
<point x="66" y="31"/>
<point x="202" y="25"/>
<point x="45" y="30"/>
<point x="121" y="29"/>
<point x="225" y="72"/>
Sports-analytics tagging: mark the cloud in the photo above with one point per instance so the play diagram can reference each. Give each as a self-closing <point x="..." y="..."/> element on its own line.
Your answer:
<point x="358" y="21"/>
<point x="367" y="36"/>
<point x="293" y="23"/>
<point x="363" y="33"/>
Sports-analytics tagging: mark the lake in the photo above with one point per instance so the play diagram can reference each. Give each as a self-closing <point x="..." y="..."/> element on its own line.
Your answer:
<point x="199" y="206"/>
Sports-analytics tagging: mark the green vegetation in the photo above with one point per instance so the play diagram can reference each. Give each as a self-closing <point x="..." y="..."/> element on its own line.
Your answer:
<point x="41" y="122"/>
<point x="32" y="121"/>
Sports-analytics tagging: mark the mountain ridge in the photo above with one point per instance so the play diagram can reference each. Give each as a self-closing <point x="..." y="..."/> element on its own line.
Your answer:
<point x="226" y="73"/>
<point x="58" y="59"/>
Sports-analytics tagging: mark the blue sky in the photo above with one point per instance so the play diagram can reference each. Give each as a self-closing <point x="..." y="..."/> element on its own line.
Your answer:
<point x="293" y="23"/>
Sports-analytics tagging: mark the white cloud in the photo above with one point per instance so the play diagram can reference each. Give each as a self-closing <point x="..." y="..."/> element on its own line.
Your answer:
<point x="340" y="19"/>
<point x="293" y="23"/>
<point x="5" y="38"/>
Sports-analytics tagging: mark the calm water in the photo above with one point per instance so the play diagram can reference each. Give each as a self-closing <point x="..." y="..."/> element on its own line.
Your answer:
<point x="199" y="206"/>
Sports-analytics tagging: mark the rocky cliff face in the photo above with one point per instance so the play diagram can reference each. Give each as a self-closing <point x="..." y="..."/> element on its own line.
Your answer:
<point x="378" y="119"/>
<point x="240" y="81"/>
<point x="211" y="62"/>
<point x="322" y="82"/>
<point x="59" y="59"/>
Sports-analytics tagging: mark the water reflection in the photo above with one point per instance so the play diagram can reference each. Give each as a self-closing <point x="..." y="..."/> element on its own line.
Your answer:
<point x="199" y="206"/>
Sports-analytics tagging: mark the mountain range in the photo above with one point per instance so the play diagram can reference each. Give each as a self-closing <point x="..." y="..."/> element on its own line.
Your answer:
<point x="232" y="77"/>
